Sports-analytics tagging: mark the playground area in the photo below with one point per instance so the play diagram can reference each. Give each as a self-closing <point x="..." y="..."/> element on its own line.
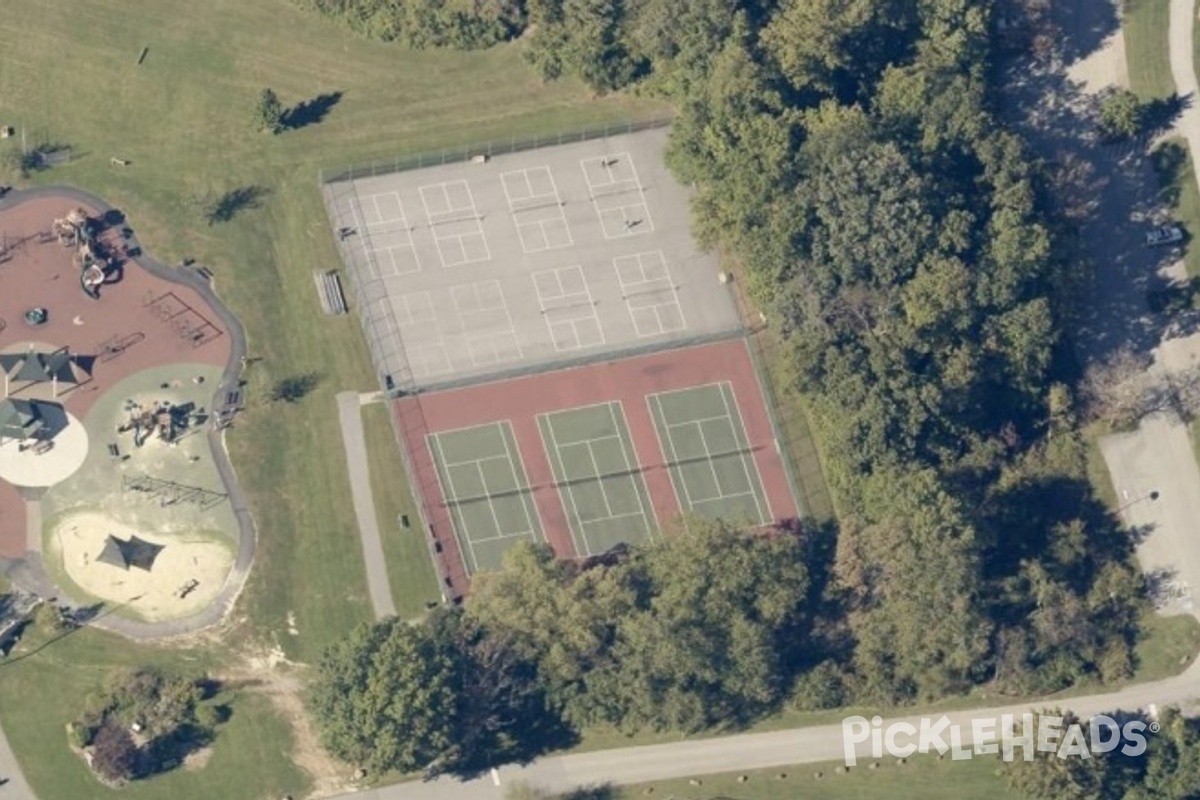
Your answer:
<point x="109" y="376"/>
<point x="527" y="261"/>
<point x="143" y="573"/>
<point x="591" y="457"/>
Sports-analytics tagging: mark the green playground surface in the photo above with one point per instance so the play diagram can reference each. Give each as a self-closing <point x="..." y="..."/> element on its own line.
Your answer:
<point x="486" y="491"/>
<point x="708" y="454"/>
<point x="598" y="476"/>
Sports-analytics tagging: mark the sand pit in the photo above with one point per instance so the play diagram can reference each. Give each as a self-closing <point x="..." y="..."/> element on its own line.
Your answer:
<point x="78" y="539"/>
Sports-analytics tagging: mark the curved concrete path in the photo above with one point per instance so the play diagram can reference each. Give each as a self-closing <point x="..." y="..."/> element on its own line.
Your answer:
<point x="30" y="575"/>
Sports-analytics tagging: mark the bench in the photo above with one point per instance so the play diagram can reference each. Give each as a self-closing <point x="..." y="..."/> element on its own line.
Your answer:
<point x="329" y="289"/>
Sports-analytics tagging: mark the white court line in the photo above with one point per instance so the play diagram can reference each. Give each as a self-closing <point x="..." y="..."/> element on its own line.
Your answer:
<point x="526" y="492"/>
<point x="663" y="283"/>
<point x="571" y="301"/>
<point x="537" y="199"/>
<point x="385" y="226"/>
<point x="596" y="469"/>
<point x="360" y="224"/>
<point x="749" y="451"/>
<point x="635" y="474"/>
<point x="449" y="216"/>
<point x="435" y="447"/>
<point x="565" y="482"/>
<point x="487" y="495"/>
<point x="649" y="221"/>
<point x="504" y="185"/>
<point x="669" y="457"/>
<point x="487" y="334"/>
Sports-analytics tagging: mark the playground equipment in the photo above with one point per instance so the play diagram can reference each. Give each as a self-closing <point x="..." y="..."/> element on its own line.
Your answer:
<point x="146" y="422"/>
<point x="91" y="279"/>
<point x="168" y="422"/>
<point x="169" y="493"/>
<point x="89" y="256"/>
<point x="73" y="228"/>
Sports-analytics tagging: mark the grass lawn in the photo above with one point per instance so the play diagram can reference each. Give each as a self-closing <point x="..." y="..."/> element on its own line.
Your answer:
<point x="1146" y="53"/>
<point x="1179" y="193"/>
<point x="410" y="568"/>
<point x="922" y="776"/>
<point x="1168" y="645"/>
<point x="41" y="690"/>
<point x="183" y="121"/>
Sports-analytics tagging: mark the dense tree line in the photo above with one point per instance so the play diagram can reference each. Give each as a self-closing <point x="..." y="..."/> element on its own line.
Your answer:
<point x="899" y="239"/>
<point x="1169" y="769"/>
<point x="697" y="630"/>
<point x="462" y="24"/>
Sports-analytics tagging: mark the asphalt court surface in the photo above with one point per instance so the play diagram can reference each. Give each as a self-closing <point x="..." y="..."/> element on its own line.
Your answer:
<point x="598" y="476"/>
<point x="536" y="258"/>
<point x="486" y="490"/>
<point x="708" y="455"/>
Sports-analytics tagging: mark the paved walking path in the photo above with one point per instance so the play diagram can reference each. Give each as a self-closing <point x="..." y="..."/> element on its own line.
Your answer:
<point x="350" y="414"/>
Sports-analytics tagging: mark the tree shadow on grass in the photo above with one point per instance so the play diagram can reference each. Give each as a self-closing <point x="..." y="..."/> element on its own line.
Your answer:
<point x="294" y="388"/>
<point x="310" y="112"/>
<point x="230" y="204"/>
<point x="1157" y="116"/>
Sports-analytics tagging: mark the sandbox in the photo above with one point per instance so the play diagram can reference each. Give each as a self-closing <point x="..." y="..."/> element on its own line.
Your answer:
<point x="205" y="558"/>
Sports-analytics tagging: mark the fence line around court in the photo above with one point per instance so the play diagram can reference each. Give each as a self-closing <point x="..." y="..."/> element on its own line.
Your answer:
<point x="382" y="333"/>
<point x="453" y="155"/>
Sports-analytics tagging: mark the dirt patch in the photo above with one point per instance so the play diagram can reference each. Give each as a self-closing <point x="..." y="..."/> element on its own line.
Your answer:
<point x="271" y="674"/>
<point x="78" y="539"/>
<point x="197" y="759"/>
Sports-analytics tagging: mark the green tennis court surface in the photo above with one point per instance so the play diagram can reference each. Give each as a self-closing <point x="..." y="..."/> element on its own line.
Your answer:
<point x="598" y="476"/>
<point x="486" y="491"/>
<point x="708" y="454"/>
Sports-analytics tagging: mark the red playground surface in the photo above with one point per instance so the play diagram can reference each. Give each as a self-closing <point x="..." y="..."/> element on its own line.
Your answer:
<point x="646" y="395"/>
<point x="137" y="321"/>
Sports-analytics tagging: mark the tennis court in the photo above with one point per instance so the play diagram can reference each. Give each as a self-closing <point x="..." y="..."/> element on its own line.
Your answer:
<point x="708" y="454"/>
<point x="486" y="491"/>
<point x="598" y="476"/>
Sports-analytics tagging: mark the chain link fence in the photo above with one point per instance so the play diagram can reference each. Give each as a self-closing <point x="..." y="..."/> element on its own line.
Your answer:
<point x="432" y="158"/>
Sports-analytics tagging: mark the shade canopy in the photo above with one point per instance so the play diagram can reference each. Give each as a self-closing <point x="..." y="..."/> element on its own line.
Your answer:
<point x="19" y="419"/>
<point x="38" y="367"/>
<point x="131" y="552"/>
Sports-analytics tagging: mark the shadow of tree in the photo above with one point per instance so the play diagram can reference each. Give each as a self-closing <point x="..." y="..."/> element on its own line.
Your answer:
<point x="294" y="388"/>
<point x="230" y="204"/>
<point x="1160" y="114"/>
<point x="1109" y="191"/>
<point x="310" y="112"/>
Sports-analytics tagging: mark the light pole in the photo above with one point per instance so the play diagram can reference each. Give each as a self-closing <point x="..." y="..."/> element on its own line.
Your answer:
<point x="1151" y="496"/>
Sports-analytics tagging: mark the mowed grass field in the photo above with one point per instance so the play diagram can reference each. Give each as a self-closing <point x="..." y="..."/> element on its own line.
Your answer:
<point x="923" y="776"/>
<point x="410" y="569"/>
<point x="184" y="121"/>
<point x="43" y="683"/>
<point x="1144" y="26"/>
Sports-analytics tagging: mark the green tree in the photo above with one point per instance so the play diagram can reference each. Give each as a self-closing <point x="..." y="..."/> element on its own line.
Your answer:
<point x="1121" y="115"/>
<point x="705" y="645"/>
<point x="387" y="696"/>
<point x="563" y="621"/>
<point x="1048" y="777"/>
<point x="1171" y="767"/>
<point x="913" y="581"/>
<point x="268" y="113"/>
<point x="114" y="753"/>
